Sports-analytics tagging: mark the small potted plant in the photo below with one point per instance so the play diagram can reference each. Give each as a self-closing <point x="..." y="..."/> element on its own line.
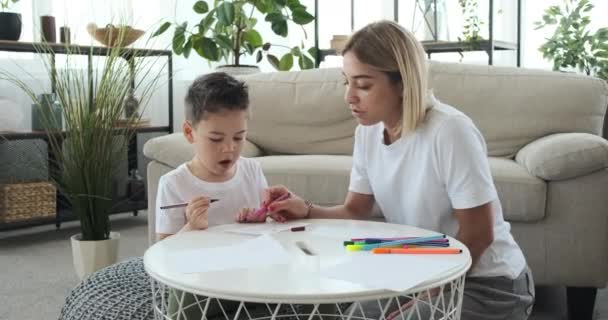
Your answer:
<point x="228" y="30"/>
<point x="573" y="45"/>
<point x="10" y="22"/>
<point x="88" y="152"/>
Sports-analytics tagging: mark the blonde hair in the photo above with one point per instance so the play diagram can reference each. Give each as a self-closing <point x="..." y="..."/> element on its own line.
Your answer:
<point x="390" y="48"/>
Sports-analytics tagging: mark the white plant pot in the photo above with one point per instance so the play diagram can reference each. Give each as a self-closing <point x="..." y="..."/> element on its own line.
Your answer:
<point x="238" y="70"/>
<point x="90" y="256"/>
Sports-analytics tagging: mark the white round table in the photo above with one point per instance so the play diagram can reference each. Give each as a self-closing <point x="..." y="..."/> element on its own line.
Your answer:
<point x="281" y="290"/>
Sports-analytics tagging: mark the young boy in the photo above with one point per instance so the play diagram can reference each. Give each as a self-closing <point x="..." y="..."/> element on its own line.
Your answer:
<point x="216" y="124"/>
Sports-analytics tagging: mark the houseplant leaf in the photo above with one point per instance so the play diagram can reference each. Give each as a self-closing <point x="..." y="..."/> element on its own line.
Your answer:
<point x="286" y="62"/>
<point x="200" y="7"/>
<point x="305" y="62"/>
<point x="274" y="61"/>
<point x="225" y="13"/>
<point x="300" y="16"/>
<point x="162" y="29"/>
<point x="253" y="37"/>
<point x="205" y="47"/>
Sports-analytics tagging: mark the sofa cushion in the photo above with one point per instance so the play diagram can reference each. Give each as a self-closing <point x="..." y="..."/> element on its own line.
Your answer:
<point x="521" y="195"/>
<point x="564" y="155"/>
<point x="322" y="179"/>
<point x="306" y="107"/>
<point x="174" y="149"/>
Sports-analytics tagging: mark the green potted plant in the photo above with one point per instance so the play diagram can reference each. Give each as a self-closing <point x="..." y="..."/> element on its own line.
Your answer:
<point x="573" y="44"/>
<point x="228" y="30"/>
<point x="471" y="28"/>
<point x="10" y="22"/>
<point x="96" y="134"/>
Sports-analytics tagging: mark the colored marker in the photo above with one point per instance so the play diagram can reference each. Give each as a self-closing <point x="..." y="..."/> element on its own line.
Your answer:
<point x="400" y="242"/>
<point x="376" y="240"/>
<point x="179" y="205"/>
<point x="417" y="250"/>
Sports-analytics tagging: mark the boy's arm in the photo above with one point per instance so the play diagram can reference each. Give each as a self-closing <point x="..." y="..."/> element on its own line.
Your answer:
<point x="168" y="221"/>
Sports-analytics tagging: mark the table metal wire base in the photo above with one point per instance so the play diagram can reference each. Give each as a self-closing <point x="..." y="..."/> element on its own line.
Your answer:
<point x="439" y="303"/>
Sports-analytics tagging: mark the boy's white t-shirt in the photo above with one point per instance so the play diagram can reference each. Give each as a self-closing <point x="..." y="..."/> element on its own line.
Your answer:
<point x="418" y="180"/>
<point x="244" y="190"/>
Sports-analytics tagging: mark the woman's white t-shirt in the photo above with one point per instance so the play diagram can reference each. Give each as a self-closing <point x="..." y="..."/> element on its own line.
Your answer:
<point x="418" y="180"/>
<point x="244" y="190"/>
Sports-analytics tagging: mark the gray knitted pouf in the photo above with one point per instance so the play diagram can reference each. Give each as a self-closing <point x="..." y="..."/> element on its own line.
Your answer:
<point x="120" y="291"/>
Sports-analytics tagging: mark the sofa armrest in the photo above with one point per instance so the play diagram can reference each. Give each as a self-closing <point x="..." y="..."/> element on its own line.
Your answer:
<point x="564" y="155"/>
<point x="174" y="149"/>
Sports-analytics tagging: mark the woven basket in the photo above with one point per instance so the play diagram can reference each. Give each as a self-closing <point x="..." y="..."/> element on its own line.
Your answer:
<point x="25" y="201"/>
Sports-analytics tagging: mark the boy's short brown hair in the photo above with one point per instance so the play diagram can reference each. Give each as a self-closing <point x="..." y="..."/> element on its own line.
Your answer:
<point x="215" y="92"/>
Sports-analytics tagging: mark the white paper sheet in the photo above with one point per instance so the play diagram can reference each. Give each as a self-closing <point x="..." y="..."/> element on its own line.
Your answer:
<point x="263" y="228"/>
<point x="346" y="232"/>
<point x="395" y="272"/>
<point x="257" y="252"/>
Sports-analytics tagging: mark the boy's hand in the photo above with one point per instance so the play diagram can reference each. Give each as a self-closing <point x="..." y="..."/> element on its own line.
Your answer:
<point x="249" y="215"/>
<point x="196" y="213"/>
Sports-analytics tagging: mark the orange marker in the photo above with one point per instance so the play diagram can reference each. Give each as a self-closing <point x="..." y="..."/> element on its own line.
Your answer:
<point x="416" y="250"/>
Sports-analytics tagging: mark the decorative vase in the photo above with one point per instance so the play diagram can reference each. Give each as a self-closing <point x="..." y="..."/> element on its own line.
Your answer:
<point x="47" y="24"/>
<point x="10" y="26"/>
<point x="47" y="115"/>
<point x="238" y="70"/>
<point x="90" y="256"/>
<point x="131" y="105"/>
<point x="65" y="35"/>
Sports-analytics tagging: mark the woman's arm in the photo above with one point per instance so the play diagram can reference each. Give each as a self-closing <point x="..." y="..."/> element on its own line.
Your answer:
<point x="356" y="206"/>
<point x="476" y="229"/>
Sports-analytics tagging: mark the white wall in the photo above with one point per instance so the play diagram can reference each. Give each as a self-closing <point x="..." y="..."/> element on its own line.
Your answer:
<point x="334" y="18"/>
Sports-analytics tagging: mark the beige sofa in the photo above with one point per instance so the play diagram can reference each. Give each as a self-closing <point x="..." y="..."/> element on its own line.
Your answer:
<point x="543" y="131"/>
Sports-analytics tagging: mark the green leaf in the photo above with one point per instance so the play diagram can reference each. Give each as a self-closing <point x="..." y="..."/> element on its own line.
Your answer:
<point x="305" y="62"/>
<point x="286" y="62"/>
<point x="274" y="17"/>
<point x="258" y="56"/>
<point x="225" y="13"/>
<point x="206" y="23"/>
<point x="301" y="16"/>
<point x="249" y="48"/>
<point x="294" y="4"/>
<point x="179" y="38"/>
<point x="313" y="52"/>
<point x="223" y="41"/>
<point x="281" y="3"/>
<point x="250" y="23"/>
<point x="200" y="7"/>
<point x="187" y="48"/>
<point x="253" y="37"/>
<point x="261" y="5"/>
<point x="296" y="51"/>
<point x="162" y="29"/>
<point x="206" y="48"/>
<point x="273" y="61"/>
<point x="602" y="54"/>
<point x="266" y="46"/>
<point x="602" y="34"/>
<point x="280" y="28"/>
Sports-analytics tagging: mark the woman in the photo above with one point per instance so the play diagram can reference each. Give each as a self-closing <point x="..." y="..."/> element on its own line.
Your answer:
<point x="424" y="163"/>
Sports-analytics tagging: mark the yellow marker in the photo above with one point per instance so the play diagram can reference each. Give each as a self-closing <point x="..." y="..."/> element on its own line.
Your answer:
<point x="354" y="247"/>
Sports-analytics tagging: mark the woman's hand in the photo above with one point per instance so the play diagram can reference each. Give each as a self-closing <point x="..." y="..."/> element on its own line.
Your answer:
<point x="248" y="215"/>
<point x="291" y="208"/>
<point x="196" y="213"/>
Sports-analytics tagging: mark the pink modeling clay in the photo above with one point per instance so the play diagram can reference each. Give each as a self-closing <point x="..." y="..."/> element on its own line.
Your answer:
<point x="263" y="210"/>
